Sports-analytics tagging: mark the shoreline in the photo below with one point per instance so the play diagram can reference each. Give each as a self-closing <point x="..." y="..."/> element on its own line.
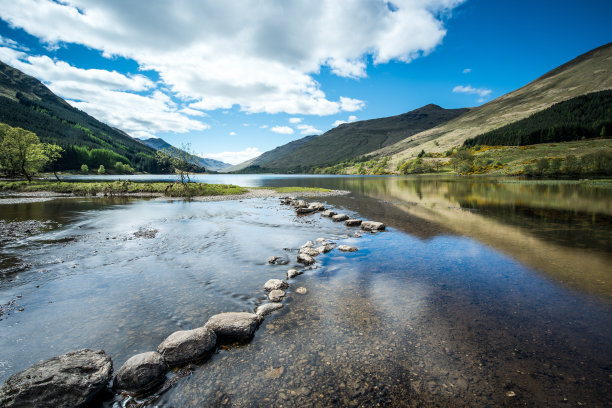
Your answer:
<point x="24" y="197"/>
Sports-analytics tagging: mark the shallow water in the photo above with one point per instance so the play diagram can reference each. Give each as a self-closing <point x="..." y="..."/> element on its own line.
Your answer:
<point x="477" y="291"/>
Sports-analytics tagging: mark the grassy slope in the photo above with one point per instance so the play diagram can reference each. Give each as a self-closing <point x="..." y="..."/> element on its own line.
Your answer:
<point x="589" y="72"/>
<point x="358" y="138"/>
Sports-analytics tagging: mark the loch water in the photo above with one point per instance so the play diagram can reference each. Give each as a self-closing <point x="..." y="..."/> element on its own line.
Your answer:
<point x="482" y="292"/>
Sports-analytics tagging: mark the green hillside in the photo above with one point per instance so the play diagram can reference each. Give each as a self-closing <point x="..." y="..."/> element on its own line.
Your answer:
<point x="590" y="72"/>
<point x="26" y="103"/>
<point x="351" y="140"/>
<point x="584" y="117"/>
<point x="205" y="163"/>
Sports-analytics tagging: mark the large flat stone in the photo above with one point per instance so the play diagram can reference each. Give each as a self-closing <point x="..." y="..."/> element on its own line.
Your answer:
<point x="184" y="346"/>
<point x="233" y="326"/>
<point x="69" y="380"/>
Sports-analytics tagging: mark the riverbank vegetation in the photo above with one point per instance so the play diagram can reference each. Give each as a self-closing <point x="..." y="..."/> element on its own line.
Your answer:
<point x="125" y="187"/>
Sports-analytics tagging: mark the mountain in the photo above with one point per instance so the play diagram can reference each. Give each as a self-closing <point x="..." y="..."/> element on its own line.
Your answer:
<point x="350" y="140"/>
<point x="258" y="164"/>
<point x="27" y="103"/>
<point x="590" y="72"/>
<point x="208" y="164"/>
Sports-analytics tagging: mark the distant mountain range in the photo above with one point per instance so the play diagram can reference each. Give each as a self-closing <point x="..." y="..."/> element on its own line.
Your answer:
<point x="208" y="164"/>
<point x="348" y="140"/>
<point x="433" y="129"/>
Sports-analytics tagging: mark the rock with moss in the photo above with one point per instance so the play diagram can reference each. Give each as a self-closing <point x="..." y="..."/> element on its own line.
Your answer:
<point x="70" y="380"/>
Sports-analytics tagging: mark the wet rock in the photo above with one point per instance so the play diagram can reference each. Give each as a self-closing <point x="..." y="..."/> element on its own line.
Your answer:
<point x="268" y="308"/>
<point x="276" y="295"/>
<point x="347" y="248"/>
<point x="321" y="240"/>
<point x="301" y="290"/>
<point x="300" y="204"/>
<point x="233" y="326"/>
<point x="141" y="373"/>
<point x="326" y="248"/>
<point x="352" y="222"/>
<point x="286" y="200"/>
<point x="187" y="345"/>
<point x="277" y="260"/>
<point x="317" y="206"/>
<point x="309" y="251"/>
<point x="340" y="217"/>
<point x="292" y="273"/>
<point x="328" y="213"/>
<point x="69" y="380"/>
<point x="274" y="284"/>
<point x="146" y="233"/>
<point x="307" y="244"/>
<point x="304" y="210"/>
<point x="372" y="226"/>
<point x="305" y="259"/>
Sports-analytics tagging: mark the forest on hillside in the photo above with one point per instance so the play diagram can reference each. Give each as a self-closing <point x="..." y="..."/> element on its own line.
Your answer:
<point x="584" y="117"/>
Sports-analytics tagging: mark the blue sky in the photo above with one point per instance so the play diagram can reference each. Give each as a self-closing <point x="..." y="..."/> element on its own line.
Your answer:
<point x="234" y="79"/>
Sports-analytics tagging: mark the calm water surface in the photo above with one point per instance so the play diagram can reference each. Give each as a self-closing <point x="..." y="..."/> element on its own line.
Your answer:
<point x="481" y="292"/>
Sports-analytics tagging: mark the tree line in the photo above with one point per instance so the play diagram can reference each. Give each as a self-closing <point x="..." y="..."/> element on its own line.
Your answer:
<point x="583" y="117"/>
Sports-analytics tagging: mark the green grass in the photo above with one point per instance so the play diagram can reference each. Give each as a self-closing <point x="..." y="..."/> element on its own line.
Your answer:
<point x="122" y="187"/>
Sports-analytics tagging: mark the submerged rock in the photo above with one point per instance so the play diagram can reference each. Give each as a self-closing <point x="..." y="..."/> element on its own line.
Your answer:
<point x="187" y="345"/>
<point x="305" y="259"/>
<point x="141" y="373"/>
<point x="69" y="380"/>
<point x="340" y="217"/>
<point x="292" y="273"/>
<point x="309" y="251"/>
<point x="276" y="295"/>
<point x="268" y="308"/>
<point x="347" y="248"/>
<point x="301" y="290"/>
<point x="352" y="222"/>
<point x="328" y="213"/>
<point x="277" y="260"/>
<point x="274" y="284"/>
<point x="372" y="226"/>
<point x="233" y="326"/>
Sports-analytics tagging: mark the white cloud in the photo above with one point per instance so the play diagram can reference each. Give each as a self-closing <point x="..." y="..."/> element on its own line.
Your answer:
<point x="295" y="120"/>
<point x="350" y="119"/>
<point x="109" y="96"/>
<point x="234" y="157"/>
<point x="482" y="92"/>
<point x="193" y="112"/>
<point x="261" y="58"/>
<point x="232" y="133"/>
<point x="467" y="70"/>
<point x="263" y="126"/>
<point x="308" y="130"/>
<point x="283" y="130"/>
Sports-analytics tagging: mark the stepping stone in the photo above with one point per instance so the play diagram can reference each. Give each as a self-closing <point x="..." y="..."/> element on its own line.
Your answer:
<point x="340" y="217"/>
<point x="347" y="248"/>
<point x="352" y="223"/>
<point x="305" y="259"/>
<point x="372" y="226"/>
<point x="274" y="284"/>
<point x="276" y="295"/>
<point x="184" y="346"/>
<point x="233" y="326"/>
<point x="141" y="373"/>
<point x="268" y="308"/>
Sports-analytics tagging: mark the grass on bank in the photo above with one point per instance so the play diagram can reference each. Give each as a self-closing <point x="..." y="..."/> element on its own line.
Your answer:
<point x="122" y="187"/>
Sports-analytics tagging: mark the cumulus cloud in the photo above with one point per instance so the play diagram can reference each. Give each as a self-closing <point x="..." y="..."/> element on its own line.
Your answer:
<point x="109" y="96"/>
<point x="467" y="70"/>
<point x="232" y="133"/>
<point x="350" y="119"/>
<point x="482" y="92"/>
<point x="308" y="130"/>
<point x="234" y="157"/>
<point x="295" y="120"/>
<point x="283" y="130"/>
<point x="261" y="59"/>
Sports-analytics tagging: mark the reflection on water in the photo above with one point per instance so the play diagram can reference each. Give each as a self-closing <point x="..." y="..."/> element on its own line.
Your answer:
<point x="480" y="294"/>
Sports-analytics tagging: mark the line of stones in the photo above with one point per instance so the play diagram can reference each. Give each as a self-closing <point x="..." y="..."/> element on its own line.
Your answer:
<point x="74" y="378"/>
